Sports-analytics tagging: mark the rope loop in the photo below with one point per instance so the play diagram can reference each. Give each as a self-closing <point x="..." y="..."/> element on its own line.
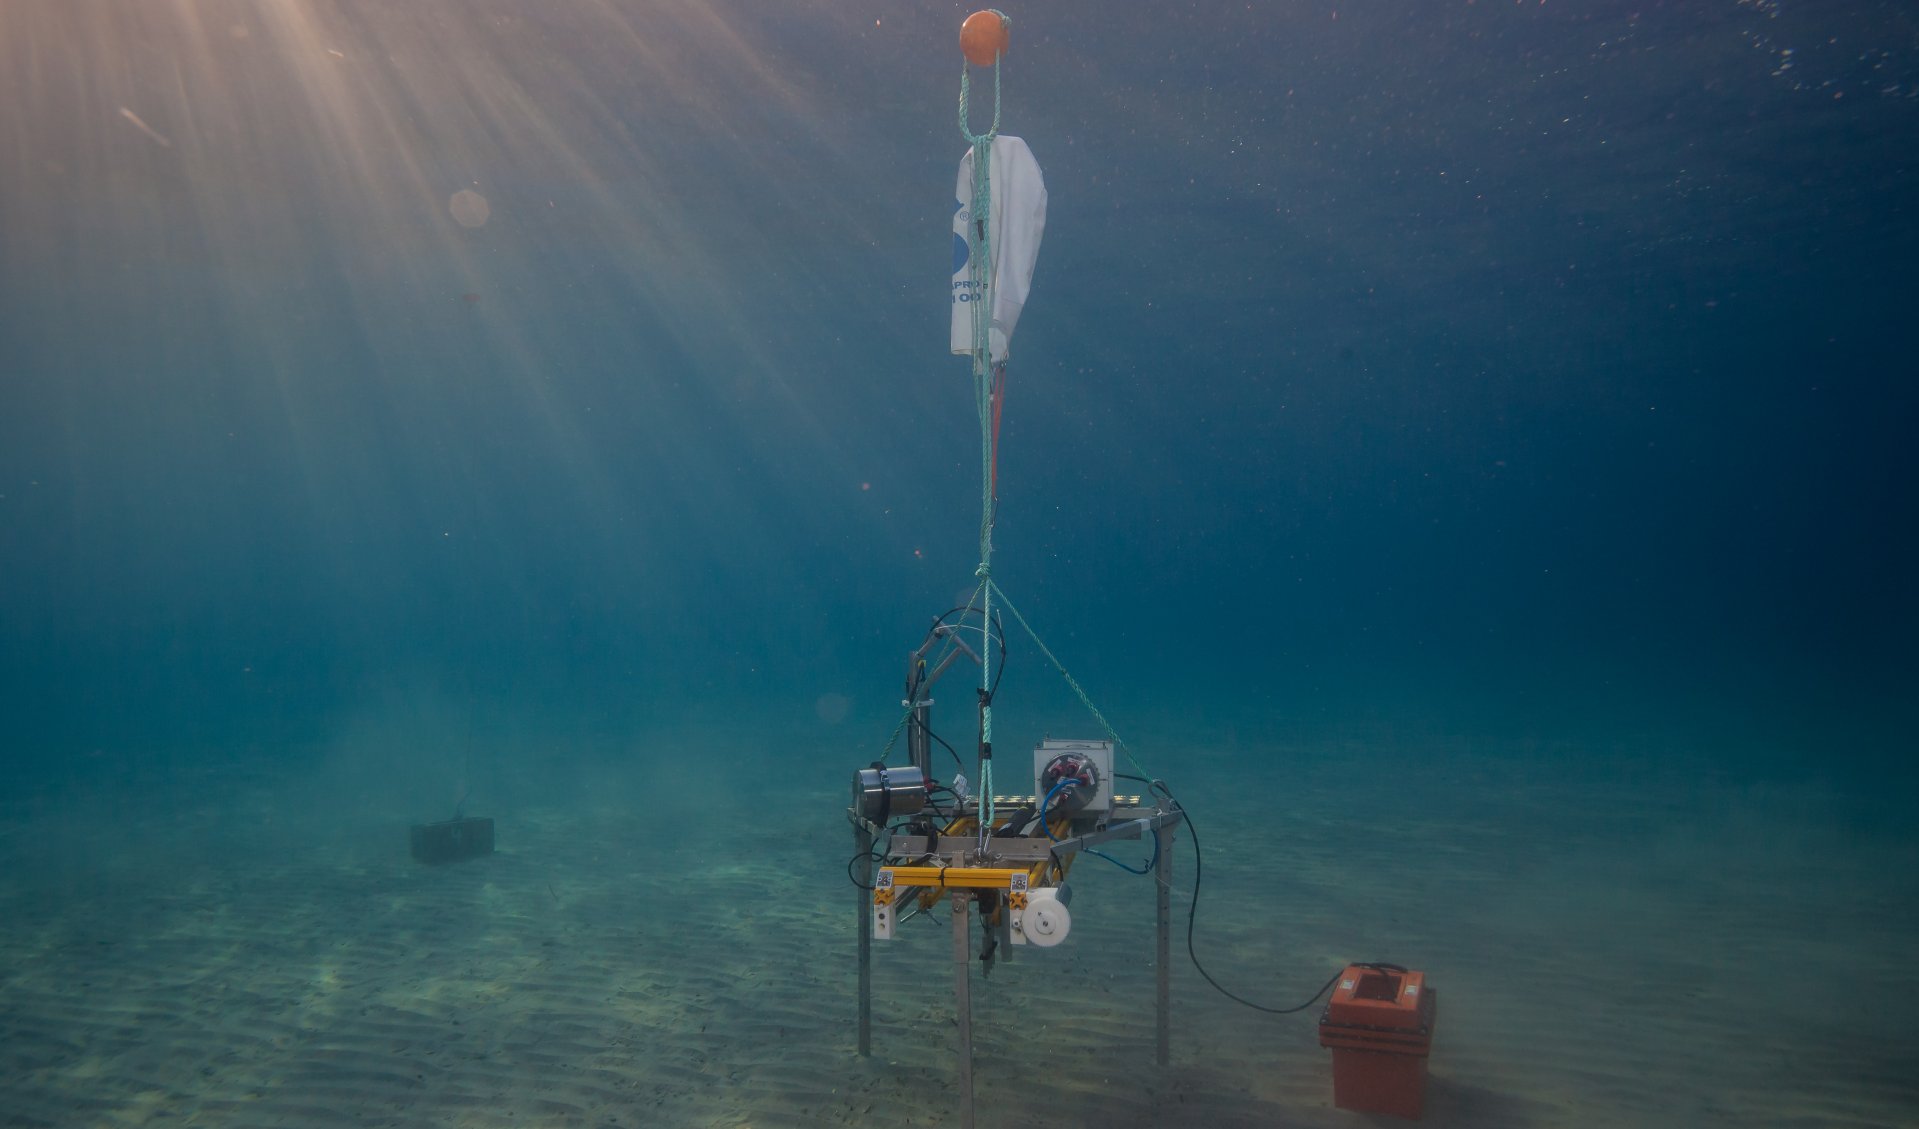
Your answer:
<point x="966" y="92"/>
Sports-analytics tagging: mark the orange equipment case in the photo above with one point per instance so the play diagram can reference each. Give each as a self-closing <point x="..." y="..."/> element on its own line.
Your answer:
<point x="1379" y="1025"/>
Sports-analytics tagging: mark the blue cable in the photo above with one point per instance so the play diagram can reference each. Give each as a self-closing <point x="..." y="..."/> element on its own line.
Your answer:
<point x="1148" y="869"/>
<point x="1067" y="782"/>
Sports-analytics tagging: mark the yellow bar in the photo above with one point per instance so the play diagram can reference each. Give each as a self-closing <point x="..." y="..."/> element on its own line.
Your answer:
<point x="962" y="877"/>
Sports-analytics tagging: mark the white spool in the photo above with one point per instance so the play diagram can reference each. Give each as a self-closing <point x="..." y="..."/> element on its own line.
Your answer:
<point x="1046" y="920"/>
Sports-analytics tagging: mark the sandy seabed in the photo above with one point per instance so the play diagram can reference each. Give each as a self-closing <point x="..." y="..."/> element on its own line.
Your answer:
<point x="1632" y="946"/>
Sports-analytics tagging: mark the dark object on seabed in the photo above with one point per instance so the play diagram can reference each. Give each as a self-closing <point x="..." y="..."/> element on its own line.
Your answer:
<point x="453" y="840"/>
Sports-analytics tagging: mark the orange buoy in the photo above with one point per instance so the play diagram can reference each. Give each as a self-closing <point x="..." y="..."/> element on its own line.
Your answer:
<point x="983" y="37"/>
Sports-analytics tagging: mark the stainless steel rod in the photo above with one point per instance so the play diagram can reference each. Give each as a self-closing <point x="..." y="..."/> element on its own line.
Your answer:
<point x="863" y="844"/>
<point x="963" y="1005"/>
<point x="1164" y="1033"/>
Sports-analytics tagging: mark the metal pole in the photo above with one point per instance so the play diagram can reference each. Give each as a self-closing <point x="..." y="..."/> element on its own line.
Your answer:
<point x="919" y="743"/>
<point x="863" y="844"/>
<point x="1164" y="1033"/>
<point x="963" y="1005"/>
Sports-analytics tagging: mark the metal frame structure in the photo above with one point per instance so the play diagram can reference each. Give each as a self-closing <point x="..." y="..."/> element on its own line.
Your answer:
<point x="1012" y="868"/>
<point x="960" y="868"/>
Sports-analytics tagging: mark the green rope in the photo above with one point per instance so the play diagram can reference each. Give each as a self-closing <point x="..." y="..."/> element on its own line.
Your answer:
<point x="966" y="89"/>
<point x="1084" y="698"/>
<point x="981" y="258"/>
<point x="980" y="255"/>
<point x="886" y="750"/>
<point x="980" y="261"/>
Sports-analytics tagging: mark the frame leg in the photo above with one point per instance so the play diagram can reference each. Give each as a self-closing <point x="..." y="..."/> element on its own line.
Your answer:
<point x="1163" y="1034"/>
<point x="963" y="1003"/>
<point x="863" y="843"/>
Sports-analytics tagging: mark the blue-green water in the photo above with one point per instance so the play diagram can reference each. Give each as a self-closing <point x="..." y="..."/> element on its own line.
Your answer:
<point x="1531" y="376"/>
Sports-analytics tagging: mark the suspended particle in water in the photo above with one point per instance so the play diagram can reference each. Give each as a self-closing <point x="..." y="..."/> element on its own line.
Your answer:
<point x="153" y="134"/>
<point x="469" y="208"/>
<point x="832" y="708"/>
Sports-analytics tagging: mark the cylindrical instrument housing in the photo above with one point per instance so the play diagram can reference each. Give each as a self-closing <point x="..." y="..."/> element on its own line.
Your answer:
<point x="881" y="793"/>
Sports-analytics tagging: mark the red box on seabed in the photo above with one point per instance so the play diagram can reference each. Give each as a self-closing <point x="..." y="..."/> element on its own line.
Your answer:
<point x="1379" y="1025"/>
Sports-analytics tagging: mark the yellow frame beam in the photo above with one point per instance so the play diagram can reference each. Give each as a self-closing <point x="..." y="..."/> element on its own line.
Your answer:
<point x="956" y="877"/>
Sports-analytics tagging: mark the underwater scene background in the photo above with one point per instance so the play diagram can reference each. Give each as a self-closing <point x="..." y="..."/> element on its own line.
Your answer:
<point x="1463" y="447"/>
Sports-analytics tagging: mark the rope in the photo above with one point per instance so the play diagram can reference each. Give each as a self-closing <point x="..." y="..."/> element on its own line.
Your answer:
<point x="980" y="264"/>
<point x="966" y="89"/>
<point x="988" y="388"/>
<point x="887" y="749"/>
<point x="1084" y="698"/>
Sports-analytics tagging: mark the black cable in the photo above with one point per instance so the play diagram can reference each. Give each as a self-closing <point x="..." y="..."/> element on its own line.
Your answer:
<point x="1015" y="823"/>
<point x="999" y="625"/>
<point x="928" y="730"/>
<point x="878" y="855"/>
<point x="948" y="814"/>
<point x="873" y="853"/>
<point x="1192" y="915"/>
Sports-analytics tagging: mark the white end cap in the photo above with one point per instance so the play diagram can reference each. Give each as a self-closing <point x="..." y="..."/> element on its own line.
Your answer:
<point x="1046" y="919"/>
